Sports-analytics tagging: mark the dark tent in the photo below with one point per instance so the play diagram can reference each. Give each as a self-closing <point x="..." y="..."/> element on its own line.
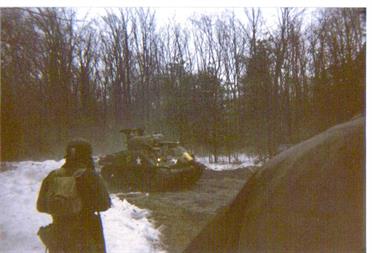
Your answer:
<point x="309" y="198"/>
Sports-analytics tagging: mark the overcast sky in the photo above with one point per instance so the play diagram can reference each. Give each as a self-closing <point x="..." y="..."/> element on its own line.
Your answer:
<point x="166" y="15"/>
<point x="188" y="3"/>
<point x="183" y="9"/>
<point x="179" y="14"/>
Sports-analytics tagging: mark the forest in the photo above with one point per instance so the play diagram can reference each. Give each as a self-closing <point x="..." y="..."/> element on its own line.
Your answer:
<point x="221" y="84"/>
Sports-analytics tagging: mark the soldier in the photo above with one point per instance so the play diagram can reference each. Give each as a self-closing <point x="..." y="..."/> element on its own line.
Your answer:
<point x="74" y="195"/>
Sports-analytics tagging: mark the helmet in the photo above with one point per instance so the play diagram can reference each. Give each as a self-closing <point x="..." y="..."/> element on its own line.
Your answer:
<point x="78" y="149"/>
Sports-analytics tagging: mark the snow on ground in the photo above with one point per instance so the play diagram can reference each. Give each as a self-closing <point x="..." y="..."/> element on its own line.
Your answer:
<point x="241" y="161"/>
<point x="127" y="228"/>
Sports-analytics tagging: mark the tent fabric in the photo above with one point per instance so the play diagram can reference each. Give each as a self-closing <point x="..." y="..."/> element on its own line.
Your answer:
<point x="309" y="198"/>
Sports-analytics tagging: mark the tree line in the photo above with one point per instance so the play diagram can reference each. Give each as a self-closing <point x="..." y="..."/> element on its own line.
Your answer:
<point x="221" y="84"/>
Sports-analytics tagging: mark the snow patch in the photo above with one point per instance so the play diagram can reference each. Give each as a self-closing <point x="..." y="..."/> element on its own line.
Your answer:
<point x="240" y="162"/>
<point x="126" y="227"/>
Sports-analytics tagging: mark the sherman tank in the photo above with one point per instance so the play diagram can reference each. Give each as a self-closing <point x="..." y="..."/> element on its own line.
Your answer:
<point x="150" y="163"/>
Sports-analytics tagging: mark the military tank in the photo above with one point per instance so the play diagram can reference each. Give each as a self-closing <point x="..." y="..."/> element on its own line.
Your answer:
<point x="150" y="163"/>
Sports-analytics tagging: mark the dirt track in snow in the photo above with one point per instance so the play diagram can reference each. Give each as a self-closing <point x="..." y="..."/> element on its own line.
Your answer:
<point x="181" y="215"/>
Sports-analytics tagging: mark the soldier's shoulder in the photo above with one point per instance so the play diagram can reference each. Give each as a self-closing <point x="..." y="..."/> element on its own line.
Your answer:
<point x="55" y="173"/>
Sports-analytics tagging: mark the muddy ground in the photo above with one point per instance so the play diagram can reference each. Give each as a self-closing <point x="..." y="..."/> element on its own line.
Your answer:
<point x="181" y="215"/>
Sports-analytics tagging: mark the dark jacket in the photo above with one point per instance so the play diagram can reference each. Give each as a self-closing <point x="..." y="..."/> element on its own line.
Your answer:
<point x="81" y="232"/>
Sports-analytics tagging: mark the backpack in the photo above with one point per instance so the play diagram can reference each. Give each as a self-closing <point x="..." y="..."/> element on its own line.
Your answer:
<point x="62" y="196"/>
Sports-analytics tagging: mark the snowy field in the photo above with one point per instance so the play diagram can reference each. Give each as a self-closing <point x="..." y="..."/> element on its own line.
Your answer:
<point x="241" y="161"/>
<point x="127" y="228"/>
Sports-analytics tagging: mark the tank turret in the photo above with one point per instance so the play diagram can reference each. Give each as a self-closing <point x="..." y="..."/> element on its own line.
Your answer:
<point x="150" y="162"/>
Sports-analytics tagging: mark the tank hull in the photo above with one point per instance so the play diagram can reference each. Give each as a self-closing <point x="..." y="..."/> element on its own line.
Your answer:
<point x="122" y="175"/>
